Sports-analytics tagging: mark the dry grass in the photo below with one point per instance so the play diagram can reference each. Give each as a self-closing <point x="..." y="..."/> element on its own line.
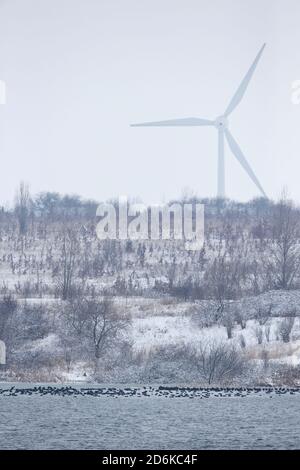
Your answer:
<point x="275" y="350"/>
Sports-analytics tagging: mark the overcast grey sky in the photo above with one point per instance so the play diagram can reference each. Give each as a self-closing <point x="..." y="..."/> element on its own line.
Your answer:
<point x="78" y="72"/>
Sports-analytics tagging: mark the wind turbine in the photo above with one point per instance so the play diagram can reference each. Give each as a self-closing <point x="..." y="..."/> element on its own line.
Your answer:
<point x="221" y="124"/>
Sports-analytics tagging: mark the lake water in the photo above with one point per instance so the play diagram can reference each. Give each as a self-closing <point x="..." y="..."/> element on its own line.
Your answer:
<point x="84" y="422"/>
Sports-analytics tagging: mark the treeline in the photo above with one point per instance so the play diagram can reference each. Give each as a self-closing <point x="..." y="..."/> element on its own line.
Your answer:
<point x="49" y="241"/>
<point x="53" y="206"/>
<point x="50" y="206"/>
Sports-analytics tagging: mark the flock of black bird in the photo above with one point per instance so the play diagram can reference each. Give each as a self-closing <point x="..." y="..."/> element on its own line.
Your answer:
<point x="161" y="391"/>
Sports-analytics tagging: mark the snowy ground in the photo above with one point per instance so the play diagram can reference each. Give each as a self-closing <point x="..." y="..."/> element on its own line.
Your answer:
<point x="166" y="322"/>
<point x="159" y="323"/>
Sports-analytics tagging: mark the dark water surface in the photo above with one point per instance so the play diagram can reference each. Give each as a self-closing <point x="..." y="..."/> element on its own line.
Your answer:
<point x="87" y="422"/>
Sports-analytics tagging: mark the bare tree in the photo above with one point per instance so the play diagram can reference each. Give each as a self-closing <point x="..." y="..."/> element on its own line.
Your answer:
<point x="268" y="332"/>
<point x="8" y="306"/>
<point x="76" y="316"/>
<point x="226" y="272"/>
<point x="219" y="363"/>
<point x="240" y="316"/>
<point x="22" y="207"/>
<point x="284" y="254"/>
<point x="263" y="313"/>
<point x="67" y="263"/>
<point x="265" y="358"/>
<point x="106" y="324"/>
<point x="258" y="332"/>
<point x="228" y="322"/>
<point x="98" y="321"/>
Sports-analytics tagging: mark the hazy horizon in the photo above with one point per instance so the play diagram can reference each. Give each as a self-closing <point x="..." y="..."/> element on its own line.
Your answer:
<point x="78" y="73"/>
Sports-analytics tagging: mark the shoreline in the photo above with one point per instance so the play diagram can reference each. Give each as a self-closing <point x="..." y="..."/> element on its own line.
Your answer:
<point x="148" y="391"/>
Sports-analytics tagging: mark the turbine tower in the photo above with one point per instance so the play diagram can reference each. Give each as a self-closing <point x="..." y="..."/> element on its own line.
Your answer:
<point x="221" y="124"/>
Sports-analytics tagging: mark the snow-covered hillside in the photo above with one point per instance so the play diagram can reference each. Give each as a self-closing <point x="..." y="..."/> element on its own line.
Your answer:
<point x="74" y="307"/>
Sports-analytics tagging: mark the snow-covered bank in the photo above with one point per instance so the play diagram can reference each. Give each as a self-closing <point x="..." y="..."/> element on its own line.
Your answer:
<point x="163" y="344"/>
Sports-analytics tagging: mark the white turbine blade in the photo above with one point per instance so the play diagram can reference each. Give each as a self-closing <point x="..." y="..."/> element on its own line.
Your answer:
<point x="242" y="160"/>
<point x="237" y="98"/>
<point x="188" y="122"/>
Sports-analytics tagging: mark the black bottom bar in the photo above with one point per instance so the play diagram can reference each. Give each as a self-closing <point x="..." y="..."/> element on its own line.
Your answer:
<point x="137" y="458"/>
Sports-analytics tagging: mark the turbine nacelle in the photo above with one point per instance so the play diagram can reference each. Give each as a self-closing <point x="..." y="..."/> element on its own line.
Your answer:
<point x="221" y="122"/>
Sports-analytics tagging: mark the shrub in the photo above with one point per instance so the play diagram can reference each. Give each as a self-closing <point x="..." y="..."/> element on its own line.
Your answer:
<point x="228" y="322"/>
<point x="219" y="363"/>
<point x="285" y="329"/>
<point x="258" y="331"/>
<point x="242" y="341"/>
